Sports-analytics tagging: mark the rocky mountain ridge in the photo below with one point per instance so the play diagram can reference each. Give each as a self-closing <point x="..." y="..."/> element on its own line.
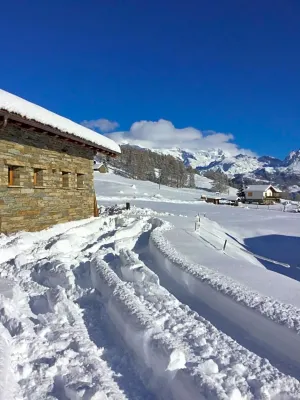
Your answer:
<point x="285" y="173"/>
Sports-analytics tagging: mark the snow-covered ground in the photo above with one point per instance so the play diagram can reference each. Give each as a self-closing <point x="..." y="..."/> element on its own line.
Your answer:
<point x="113" y="187"/>
<point x="140" y="305"/>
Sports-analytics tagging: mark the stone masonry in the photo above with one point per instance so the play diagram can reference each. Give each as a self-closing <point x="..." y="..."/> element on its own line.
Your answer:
<point x="26" y="206"/>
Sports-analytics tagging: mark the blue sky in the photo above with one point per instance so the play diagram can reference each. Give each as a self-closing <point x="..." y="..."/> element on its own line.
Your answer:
<point x="228" y="66"/>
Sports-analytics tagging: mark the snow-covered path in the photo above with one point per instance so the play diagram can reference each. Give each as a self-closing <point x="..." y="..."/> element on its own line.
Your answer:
<point x="263" y="325"/>
<point x="60" y="349"/>
<point x="87" y="319"/>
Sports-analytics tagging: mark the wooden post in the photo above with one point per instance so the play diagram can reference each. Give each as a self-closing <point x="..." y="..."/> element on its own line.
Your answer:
<point x="96" y="210"/>
<point x="197" y="222"/>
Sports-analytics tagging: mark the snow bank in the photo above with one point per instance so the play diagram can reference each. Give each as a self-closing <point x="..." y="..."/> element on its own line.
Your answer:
<point x="26" y="109"/>
<point x="284" y="314"/>
<point x="8" y="386"/>
<point x="61" y="327"/>
<point x="161" y="361"/>
<point x="181" y="355"/>
<point x="133" y="270"/>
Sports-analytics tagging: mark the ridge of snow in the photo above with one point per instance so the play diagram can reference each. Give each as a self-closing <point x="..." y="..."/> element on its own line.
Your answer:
<point x="14" y="104"/>
<point x="56" y="350"/>
<point x="267" y="306"/>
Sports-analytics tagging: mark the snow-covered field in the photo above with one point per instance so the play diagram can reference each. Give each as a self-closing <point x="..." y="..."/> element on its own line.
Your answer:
<point x="140" y="305"/>
<point x="113" y="187"/>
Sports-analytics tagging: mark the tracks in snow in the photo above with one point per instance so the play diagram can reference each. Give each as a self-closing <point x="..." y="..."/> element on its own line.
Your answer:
<point x="130" y="339"/>
<point x="260" y="335"/>
<point x="205" y="348"/>
<point x="63" y="347"/>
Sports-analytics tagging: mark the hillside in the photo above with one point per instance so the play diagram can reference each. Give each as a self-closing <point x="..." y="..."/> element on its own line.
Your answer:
<point x="162" y="169"/>
<point x="120" y="187"/>
<point x="285" y="173"/>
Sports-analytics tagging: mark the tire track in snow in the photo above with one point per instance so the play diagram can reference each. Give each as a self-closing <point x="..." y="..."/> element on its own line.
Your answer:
<point x="56" y="357"/>
<point x="208" y="350"/>
<point x="262" y="336"/>
<point x="115" y="353"/>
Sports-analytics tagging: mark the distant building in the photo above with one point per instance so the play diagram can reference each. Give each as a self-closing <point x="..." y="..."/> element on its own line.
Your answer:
<point x="213" y="199"/>
<point x="102" y="168"/>
<point x="262" y="194"/>
<point x="46" y="166"/>
<point x="232" y="200"/>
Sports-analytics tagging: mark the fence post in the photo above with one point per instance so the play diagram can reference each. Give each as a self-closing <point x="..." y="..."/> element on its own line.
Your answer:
<point x="197" y="222"/>
<point x="96" y="209"/>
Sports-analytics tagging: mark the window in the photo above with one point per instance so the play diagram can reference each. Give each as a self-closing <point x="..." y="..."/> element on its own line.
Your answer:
<point x="65" y="179"/>
<point x="37" y="177"/>
<point x="80" y="181"/>
<point x="13" y="178"/>
<point x="250" y="194"/>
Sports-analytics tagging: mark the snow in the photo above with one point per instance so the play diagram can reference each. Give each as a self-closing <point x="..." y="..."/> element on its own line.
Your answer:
<point x="248" y="165"/>
<point x="30" y="111"/>
<point x="112" y="188"/>
<point x="136" y="304"/>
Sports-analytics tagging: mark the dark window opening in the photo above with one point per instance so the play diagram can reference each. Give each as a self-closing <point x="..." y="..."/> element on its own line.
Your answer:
<point x="65" y="179"/>
<point x="80" y="181"/>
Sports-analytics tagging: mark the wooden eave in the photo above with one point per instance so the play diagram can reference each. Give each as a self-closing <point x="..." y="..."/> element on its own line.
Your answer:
<point x="35" y="126"/>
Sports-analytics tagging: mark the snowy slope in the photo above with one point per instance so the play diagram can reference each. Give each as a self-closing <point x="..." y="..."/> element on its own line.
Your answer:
<point x="114" y="187"/>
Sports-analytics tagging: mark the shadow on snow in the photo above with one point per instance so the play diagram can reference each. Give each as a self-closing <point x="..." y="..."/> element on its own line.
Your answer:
<point x="281" y="248"/>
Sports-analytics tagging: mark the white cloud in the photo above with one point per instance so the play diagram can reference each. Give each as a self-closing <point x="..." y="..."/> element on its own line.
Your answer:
<point x="102" y="124"/>
<point x="163" y="135"/>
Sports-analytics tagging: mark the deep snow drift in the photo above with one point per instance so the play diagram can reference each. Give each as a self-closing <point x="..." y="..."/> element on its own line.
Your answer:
<point x="139" y="305"/>
<point x="87" y="319"/>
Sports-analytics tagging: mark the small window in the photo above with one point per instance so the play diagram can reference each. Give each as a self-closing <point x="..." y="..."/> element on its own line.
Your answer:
<point x="65" y="179"/>
<point x="13" y="175"/>
<point x="250" y="194"/>
<point x="80" y="181"/>
<point x="38" y="177"/>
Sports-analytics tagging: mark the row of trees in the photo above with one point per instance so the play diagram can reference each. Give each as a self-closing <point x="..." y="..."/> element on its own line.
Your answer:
<point x="144" y="164"/>
<point x="221" y="182"/>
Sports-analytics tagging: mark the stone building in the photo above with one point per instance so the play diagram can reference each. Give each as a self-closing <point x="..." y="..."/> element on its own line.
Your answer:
<point x="46" y="166"/>
<point x="102" y="168"/>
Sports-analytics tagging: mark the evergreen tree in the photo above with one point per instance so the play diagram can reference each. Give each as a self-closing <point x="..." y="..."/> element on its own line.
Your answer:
<point x="241" y="191"/>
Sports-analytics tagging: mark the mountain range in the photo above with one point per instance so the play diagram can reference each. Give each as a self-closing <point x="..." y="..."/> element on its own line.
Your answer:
<point x="285" y="173"/>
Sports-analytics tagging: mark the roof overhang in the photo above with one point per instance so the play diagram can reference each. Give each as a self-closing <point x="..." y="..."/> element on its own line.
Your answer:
<point x="32" y="125"/>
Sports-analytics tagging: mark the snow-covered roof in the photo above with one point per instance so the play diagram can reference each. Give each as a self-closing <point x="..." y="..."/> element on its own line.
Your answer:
<point x="261" y="188"/>
<point x="14" y="104"/>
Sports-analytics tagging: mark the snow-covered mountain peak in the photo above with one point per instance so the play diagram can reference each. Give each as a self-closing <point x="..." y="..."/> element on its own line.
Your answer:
<point x="292" y="161"/>
<point x="264" y="168"/>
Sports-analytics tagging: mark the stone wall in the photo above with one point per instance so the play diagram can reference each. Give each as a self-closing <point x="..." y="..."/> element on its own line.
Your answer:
<point x="28" y="207"/>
